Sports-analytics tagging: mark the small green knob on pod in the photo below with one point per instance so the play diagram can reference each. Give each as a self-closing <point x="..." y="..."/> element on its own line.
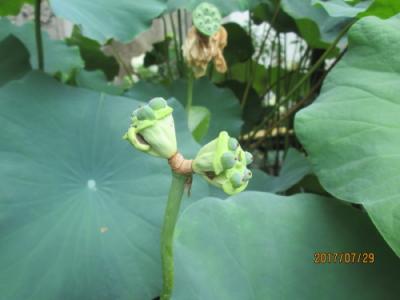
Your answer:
<point x="249" y="158"/>
<point x="233" y="144"/>
<point x="228" y="160"/>
<point x="247" y="175"/>
<point x="157" y="103"/>
<point x="236" y="180"/>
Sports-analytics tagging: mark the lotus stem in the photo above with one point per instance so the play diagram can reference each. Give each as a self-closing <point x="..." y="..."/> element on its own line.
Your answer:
<point x="38" y="35"/>
<point x="167" y="236"/>
<point x="189" y="92"/>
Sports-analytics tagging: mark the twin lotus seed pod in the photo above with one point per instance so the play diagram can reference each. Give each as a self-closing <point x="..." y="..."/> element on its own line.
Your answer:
<point x="207" y="18"/>
<point x="222" y="162"/>
<point x="152" y="129"/>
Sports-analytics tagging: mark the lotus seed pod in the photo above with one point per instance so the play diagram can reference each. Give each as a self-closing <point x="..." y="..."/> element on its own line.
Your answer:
<point x="207" y="18"/>
<point x="236" y="180"/>
<point x="222" y="162"/>
<point x="157" y="103"/>
<point x="228" y="160"/>
<point x="153" y="131"/>
<point x="249" y="158"/>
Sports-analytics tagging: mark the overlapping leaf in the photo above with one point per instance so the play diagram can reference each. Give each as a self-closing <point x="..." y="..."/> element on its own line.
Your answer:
<point x="261" y="246"/>
<point x="14" y="60"/>
<point x="58" y="56"/>
<point x="352" y="131"/>
<point x="12" y="7"/>
<point x="102" y="20"/>
<point x="80" y="209"/>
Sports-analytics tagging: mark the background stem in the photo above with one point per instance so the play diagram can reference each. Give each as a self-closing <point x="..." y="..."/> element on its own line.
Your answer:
<point x="167" y="235"/>
<point x="189" y="92"/>
<point x="38" y="35"/>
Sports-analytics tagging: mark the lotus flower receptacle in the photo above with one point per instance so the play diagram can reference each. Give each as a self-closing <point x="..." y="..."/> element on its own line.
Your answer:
<point x="152" y="129"/>
<point x="223" y="163"/>
<point x="207" y="18"/>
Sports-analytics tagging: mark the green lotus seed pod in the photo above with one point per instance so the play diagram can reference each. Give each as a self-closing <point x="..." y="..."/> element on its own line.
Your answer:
<point x="233" y="144"/>
<point x="207" y="18"/>
<point x="249" y="158"/>
<point x="153" y="131"/>
<point x="228" y="160"/>
<point x="247" y="175"/>
<point x="157" y="103"/>
<point x="236" y="180"/>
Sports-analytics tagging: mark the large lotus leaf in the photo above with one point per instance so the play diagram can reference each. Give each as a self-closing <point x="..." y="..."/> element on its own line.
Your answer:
<point x="314" y="23"/>
<point x="12" y="7"/>
<point x="225" y="7"/>
<point x="341" y="8"/>
<point x="93" y="55"/>
<point x="96" y="80"/>
<point x="294" y="168"/>
<point x="261" y="246"/>
<point x="240" y="46"/>
<point x="379" y="8"/>
<point x="58" y="56"/>
<point x="222" y="104"/>
<point x="352" y="131"/>
<point x="80" y="209"/>
<point x="102" y="20"/>
<point x="14" y="60"/>
<point x="265" y="13"/>
<point x="383" y="9"/>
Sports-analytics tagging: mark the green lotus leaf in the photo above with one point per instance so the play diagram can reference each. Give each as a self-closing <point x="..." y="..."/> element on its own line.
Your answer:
<point x="221" y="103"/>
<point x="314" y="23"/>
<point x="383" y="9"/>
<point x="225" y="7"/>
<point x="294" y="168"/>
<point x="103" y="20"/>
<point x="58" y="56"/>
<point x="265" y="12"/>
<point x="14" y="60"/>
<point x="239" y="47"/>
<point x="340" y="8"/>
<point x="12" y="7"/>
<point x="352" y="131"/>
<point x="80" y="212"/>
<point x="96" y="80"/>
<point x="93" y="55"/>
<point x="198" y="121"/>
<point x="262" y="246"/>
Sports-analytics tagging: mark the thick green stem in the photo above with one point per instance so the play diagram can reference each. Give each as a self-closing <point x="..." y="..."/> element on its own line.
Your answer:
<point x="167" y="235"/>
<point x="38" y="35"/>
<point x="189" y="99"/>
